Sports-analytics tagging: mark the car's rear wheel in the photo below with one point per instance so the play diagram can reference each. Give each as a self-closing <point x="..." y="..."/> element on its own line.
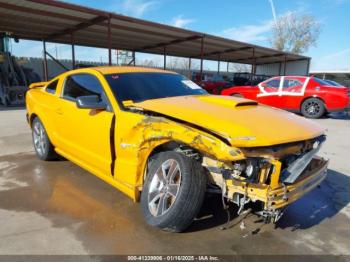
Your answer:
<point x="42" y="145"/>
<point x="173" y="192"/>
<point x="313" y="108"/>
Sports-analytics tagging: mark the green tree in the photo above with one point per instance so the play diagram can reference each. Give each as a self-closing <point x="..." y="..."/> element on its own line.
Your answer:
<point x="295" y="32"/>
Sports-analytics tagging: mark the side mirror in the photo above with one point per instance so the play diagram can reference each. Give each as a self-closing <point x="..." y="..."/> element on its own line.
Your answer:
<point x="90" y="102"/>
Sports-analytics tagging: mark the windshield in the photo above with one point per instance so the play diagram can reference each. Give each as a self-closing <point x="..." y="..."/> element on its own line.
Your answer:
<point x="139" y="87"/>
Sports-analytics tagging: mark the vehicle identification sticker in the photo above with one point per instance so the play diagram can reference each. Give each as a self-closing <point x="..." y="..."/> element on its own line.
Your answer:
<point x="191" y="84"/>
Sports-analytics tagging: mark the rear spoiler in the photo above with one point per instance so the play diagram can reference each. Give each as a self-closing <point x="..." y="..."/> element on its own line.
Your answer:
<point x="37" y="85"/>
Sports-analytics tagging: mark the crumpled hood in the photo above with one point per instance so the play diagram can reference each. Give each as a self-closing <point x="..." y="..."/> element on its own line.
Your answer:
<point x="243" y="122"/>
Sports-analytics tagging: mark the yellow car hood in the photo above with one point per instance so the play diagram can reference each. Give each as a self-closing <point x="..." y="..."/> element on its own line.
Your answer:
<point x="241" y="121"/>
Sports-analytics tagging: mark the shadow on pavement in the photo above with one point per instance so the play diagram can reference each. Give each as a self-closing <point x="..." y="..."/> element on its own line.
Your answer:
<point x="212" y="214"/>
<point x="340" y="115"/>
<point x="11" y="108"/>
<point x="318" y="205"/>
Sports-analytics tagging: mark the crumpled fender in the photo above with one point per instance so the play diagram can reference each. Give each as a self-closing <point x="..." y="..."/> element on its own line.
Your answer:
<point x="153" y="131"/>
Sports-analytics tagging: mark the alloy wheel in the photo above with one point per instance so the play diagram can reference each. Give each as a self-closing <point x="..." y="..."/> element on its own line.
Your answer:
<point x="164" y="187"/>
<point x="39" y="138"/>
<point x="312" y="108"/>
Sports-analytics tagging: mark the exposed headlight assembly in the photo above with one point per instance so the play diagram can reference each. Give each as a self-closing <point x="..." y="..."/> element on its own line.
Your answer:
<point x="248" y="169"/>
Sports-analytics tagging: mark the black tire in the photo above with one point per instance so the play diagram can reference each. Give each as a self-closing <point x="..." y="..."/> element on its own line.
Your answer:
<point x="43" y="148"/>
<point x="184" y="207"/>
<point x="313" y="108"/>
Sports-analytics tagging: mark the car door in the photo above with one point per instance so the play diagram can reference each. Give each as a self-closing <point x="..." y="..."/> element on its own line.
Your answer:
<point x="84" y="134"/>
<point x="270" y="92"/>
<point x="292" y="92"/>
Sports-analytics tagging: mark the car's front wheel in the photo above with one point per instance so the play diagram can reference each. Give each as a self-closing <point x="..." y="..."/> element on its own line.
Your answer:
<point x="173" y="192"/>
<point x="42" y="145"/>
<point x="313" y="108"/>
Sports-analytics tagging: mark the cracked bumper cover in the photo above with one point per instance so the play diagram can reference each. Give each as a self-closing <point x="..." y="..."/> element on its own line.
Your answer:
<point x="310" y="178"/>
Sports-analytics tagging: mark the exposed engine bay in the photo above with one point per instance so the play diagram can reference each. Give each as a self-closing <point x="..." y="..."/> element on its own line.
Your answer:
<point x="274" y="176"/>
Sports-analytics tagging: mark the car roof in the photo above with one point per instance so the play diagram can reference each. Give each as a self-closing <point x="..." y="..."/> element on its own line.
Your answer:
<point x="106" y="70"/>
<point x="291" y="76"/>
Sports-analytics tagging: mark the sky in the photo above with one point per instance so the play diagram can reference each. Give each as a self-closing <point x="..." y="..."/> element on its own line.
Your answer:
<point x="244" y="20"/>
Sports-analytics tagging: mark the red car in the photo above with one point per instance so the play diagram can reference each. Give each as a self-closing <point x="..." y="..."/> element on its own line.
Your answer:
<point x="211" y="83"/>
<point x="310" y="96"/>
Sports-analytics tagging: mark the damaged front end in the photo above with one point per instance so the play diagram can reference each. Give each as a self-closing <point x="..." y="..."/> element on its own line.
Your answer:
<point x="273" y="176"/>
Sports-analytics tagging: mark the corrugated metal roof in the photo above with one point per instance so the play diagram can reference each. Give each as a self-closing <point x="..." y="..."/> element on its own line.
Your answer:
<point x="54" y="21"/>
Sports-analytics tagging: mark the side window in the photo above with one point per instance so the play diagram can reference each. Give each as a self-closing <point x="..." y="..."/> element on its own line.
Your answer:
<point x="272" y="85"/>
<point x="82" y="85"/>
<point x="51" y="88"/>
<point x="292" y="85"/>
<point x="275" y="83"/>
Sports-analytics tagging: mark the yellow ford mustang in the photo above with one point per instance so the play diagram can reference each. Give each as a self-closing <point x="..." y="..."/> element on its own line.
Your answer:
<point x="161" y="139"/>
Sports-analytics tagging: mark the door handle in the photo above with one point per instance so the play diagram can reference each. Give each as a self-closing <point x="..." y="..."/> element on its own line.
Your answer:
<point x="59" y="111"/>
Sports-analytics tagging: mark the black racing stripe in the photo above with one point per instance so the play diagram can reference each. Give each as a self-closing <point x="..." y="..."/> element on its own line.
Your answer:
<point x="112" y="144"/>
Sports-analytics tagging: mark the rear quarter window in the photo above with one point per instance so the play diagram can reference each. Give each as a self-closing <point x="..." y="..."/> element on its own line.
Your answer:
<point x="321" y="81"/>
<point x="51" y="88"/>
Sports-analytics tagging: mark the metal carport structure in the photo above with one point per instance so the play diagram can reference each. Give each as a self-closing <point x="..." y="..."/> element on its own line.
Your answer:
<point x="60" y="22"/>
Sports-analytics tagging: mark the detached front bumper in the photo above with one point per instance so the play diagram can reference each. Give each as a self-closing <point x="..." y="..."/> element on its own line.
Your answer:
<point x="311" y="177"/>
